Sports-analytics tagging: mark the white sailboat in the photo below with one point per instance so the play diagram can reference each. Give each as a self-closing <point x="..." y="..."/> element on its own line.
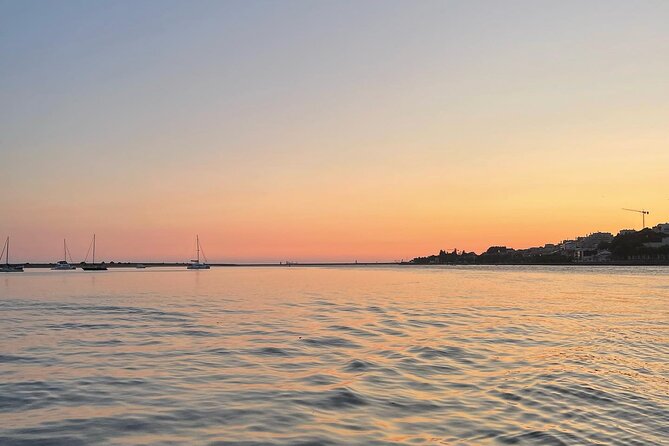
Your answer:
<point x="7" y="268"/>
<point x="63" y="265"/>
<point x="93" y="266"/>
<point x="197" y="264"/>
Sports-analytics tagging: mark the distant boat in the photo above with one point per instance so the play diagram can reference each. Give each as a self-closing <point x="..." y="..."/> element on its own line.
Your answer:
<point x="196" y="264"/>
<point x="93" y="266"/>
<point x="140" y="266"/>
<point x="62" y="265"/>
<point x="7" y="268"/>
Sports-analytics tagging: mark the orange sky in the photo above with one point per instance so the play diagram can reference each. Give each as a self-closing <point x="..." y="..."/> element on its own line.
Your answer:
<point x="328" y="132"/>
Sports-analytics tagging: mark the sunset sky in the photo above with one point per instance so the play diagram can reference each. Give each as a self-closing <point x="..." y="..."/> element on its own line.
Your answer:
<point x="328" y="130"/>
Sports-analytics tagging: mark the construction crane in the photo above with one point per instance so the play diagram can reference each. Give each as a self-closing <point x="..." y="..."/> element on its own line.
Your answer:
<point x="643" y="213"/>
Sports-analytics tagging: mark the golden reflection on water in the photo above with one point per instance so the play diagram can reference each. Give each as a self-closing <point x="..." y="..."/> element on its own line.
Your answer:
<point x="440" y="355"/>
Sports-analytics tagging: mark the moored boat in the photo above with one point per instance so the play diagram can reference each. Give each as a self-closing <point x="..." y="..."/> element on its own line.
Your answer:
<point x="197" y="264"/>
<point x="7" y="268"/>
<point x="93" y="266"/>
<point x="63" y="265"/>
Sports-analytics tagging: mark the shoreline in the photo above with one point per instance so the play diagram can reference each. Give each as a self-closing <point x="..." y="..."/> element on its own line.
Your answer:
<point x="349" y="264"/>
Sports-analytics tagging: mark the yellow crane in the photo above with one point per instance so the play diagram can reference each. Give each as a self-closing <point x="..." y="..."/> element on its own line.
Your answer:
<point x="643" y="213"/>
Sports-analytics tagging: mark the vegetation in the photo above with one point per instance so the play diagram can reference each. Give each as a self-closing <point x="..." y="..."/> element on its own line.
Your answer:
<point x="447" y="258"/>
<point x="626" y="247"/>
<point x="495" y="255"/>
<point x="631" y="246"/>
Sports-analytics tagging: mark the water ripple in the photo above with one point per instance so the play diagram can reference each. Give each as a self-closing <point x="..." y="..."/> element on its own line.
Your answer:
<point x="336" y="356"/>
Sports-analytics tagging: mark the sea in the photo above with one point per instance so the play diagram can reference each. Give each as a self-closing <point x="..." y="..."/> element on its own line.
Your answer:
<point x="359" y="355"/>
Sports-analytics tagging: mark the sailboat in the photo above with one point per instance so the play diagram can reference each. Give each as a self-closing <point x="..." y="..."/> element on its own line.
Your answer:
<point x="196" y="264"/>
<point x="7" y="268"/>
<point x="93" y="266"/>
<point x="62" y="265"/>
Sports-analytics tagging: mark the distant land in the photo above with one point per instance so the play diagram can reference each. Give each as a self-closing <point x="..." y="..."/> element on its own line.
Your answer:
<point x="649" y="246"/>
<point x="182" y="264"/>
<point x="628" y="247"/>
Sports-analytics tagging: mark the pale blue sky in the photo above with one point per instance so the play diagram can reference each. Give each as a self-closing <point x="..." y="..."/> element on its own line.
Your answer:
<point x="108" y="107"/>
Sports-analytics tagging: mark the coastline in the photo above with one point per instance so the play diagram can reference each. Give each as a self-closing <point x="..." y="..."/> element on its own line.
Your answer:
<point x="349" y="264"/>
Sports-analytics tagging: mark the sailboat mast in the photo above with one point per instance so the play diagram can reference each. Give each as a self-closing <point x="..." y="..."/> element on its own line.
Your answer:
<point x="7" y="253"/>
<point x="93" y="249"/>
<point x="64" y="251"/>
<point x="197" y="238"/>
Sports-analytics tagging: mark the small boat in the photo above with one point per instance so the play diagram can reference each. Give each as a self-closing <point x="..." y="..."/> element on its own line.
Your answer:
<point x="140" y="266"/>
<point x="93" y="266"/>
<point x="7" y="268"/>
<point x="63" y="265"/>
<point x="196" y="264"/>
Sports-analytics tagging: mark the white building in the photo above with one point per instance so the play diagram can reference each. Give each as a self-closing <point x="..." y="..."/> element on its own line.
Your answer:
<point x="592" y="241"/>
<point x="664" y="242"/>
<point x="662" y="228"/>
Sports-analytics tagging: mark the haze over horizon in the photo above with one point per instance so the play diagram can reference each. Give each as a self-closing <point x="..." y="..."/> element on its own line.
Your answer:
<point x="328" y="130"/>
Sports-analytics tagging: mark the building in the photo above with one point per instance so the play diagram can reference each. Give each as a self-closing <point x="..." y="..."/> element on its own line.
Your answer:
<point x="594" y="256"/>
<point x="587" y="248"/>
<point x="662" y="228"/>
<point x="593" y="240"/>
<point x="568" y="245"/>
<point x="664" y="242"/>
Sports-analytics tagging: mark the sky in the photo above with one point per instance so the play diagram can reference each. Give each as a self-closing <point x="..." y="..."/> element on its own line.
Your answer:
<point x="329" y="130"/>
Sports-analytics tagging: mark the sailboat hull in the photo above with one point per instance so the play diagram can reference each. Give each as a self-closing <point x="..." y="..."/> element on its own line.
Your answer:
<point x="7" y="268"/>
<point x="94" y="268"/>
<point x="11" y="269"/>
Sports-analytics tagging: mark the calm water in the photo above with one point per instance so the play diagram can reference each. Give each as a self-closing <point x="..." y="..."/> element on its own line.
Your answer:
<point x="367" y="356"/>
